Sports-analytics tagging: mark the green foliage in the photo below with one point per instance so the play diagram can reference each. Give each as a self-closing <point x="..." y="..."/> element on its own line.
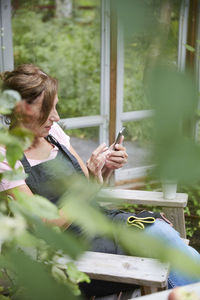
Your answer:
<point x="70" y="51"/>
<point x="30" y="248"/>
<point x="8" y="100"/>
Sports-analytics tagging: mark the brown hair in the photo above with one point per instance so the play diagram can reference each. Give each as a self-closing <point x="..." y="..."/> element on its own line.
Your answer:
<point x="30" y="81"/>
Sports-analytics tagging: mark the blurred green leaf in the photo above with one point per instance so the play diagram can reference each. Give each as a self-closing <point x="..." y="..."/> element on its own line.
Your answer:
<point x="190" y="48"/>
<point x="65" y="241"/>
<point x="6" y="139"/>
<point x="8" y="100"/>
<point x="74" y="206"/>
<point x="75" y="275"/>
<point x="36" y="205"/>
<point x="2" y="157"/>
<point x="27" y="240"/>
<point x="131" y="240"/>
<point x="2" y="297"/>
<point x="40" y="284"/>
<point x="16" y="174"/>
<point x="174" y="97"/>
<point x="23" y="135"/>
<point x="136" y="16"/>
<point x="14" y="152"/>
<point x="11" y="227"/>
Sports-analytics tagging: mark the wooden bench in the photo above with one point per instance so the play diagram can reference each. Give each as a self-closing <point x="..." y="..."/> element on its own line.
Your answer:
<point x="149" y="273"/>
<point x="173" y="209"/>
<point x="195" y="287"/>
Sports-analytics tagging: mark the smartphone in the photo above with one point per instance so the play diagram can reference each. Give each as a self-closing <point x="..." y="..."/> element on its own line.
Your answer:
<point x="117" y="140"/>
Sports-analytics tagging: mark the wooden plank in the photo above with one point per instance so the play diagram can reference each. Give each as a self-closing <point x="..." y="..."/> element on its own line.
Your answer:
<point x="144" y="197"/>
<point x="176" y="216"/>
<point x="164" y="294"/>
<point x="81" y="122"/>
<point x="192" y="34"/>
<point x="146" y="290"/>
<point x="122" y="268"/>
<point x="113" y="71"/>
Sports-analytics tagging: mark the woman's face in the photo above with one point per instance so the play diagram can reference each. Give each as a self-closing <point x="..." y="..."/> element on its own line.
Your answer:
<point x="32" y="119"/>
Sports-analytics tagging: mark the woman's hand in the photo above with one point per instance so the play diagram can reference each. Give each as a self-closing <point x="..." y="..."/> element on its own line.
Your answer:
<point x="97" y="161"/>
<point x="117" y="157"/>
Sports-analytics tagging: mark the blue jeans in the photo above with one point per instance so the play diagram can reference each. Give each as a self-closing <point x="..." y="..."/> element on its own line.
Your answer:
<point x="169" y="235"/>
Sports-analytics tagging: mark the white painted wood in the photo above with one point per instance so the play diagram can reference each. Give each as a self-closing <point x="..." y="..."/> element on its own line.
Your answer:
<point x="122" y="268"/>
<point x="105" y="71"/>
<point x="120" y="77"/>
<point x="81" y="122"/>
<point x="132" y="173"/>
<point x="183" y="28"/>
<point x="6" y="47"/>
<point x="164" y="295"/>
<point x="144" y="197"/>
<point x="137" y="115"/>
<point x="197" y="65"/>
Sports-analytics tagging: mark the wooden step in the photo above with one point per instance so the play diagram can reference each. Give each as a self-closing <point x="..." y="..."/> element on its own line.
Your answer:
<point x="121" y="268"/>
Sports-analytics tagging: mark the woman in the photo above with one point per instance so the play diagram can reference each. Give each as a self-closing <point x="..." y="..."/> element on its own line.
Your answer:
<point x="37" y="112"/>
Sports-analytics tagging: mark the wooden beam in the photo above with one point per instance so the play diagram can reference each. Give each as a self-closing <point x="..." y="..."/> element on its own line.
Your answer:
<point x="113" y="72"/>
<point x="192" y="31"/>
<point x="143" y="197"/>
<point x="121" y="268"/>
<point x="189" y="125"/>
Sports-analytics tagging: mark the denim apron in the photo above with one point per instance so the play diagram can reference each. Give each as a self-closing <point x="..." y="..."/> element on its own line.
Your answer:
<point x="43" y="179"/>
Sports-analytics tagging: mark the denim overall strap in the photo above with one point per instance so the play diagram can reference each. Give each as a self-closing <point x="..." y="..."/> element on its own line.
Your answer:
<point x="70" y="156"/>
<point x="26" y="164"/>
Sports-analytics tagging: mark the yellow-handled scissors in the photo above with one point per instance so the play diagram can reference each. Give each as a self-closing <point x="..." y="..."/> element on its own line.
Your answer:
<point x="138" y="222"/>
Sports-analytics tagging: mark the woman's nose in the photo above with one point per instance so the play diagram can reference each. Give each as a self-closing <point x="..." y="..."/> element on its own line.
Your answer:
<point x="54" y="116"/>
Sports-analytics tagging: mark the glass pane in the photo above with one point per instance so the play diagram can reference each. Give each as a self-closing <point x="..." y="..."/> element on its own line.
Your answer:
<point x="83" y="141"/>
<point x="138" y="142"/>
<point x="141" y="50"/>
<point x="66" y="44"/>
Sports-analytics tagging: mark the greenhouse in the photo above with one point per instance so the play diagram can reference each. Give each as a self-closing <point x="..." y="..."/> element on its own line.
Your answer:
<point x="131" y="64"/>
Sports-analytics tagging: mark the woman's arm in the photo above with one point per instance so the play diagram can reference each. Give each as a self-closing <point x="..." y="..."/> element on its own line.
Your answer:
<point x="95" y="163"/>
<point x="81" y="163"/>
<point x="103" y="161"/>
<point x="60" y="221"/>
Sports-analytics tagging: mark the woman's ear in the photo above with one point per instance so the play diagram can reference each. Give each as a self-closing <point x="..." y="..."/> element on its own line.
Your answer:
<point x="23" y="108"/>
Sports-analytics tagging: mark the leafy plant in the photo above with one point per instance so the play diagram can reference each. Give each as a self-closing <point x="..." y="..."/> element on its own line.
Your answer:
<point x="30" y="250"/>
<point x="70" y="51"/>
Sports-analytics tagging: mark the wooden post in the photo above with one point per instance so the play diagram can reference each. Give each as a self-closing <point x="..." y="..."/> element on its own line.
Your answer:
<point x="113" y="71"/>
<point x="192" y="30"/>
<point x="189" y="125"/>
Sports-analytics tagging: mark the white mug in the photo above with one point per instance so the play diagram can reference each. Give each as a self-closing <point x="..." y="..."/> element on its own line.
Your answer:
<point x="169" y="190"/>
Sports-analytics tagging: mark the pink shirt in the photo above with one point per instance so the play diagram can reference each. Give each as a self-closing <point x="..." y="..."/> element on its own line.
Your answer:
<point x="56" y="132"/>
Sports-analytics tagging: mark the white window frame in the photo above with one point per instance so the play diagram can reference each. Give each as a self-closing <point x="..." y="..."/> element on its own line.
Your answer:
<point x="102" y="120"/>
<point x="6" y="47"/>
